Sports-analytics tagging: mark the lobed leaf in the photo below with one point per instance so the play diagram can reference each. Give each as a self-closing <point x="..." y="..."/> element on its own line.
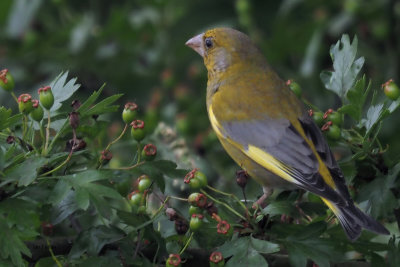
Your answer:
<point x="346" y="67"/>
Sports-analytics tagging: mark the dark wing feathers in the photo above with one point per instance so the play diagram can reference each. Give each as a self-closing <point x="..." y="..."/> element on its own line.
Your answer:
<point x="280" y="139"/>
<point x="315" y="135"/>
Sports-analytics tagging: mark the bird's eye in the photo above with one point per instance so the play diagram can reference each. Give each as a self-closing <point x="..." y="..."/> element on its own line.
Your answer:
<point x="208" y="42"/>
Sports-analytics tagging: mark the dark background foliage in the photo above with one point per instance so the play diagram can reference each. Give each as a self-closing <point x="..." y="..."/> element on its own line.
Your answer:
<point x="137" y="48"/>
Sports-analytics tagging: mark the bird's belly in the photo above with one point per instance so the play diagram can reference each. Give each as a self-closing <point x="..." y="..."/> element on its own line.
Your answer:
<point x="256" y="171"/>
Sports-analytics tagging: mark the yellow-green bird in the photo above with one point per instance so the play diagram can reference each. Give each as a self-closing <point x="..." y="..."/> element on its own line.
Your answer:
<point x="265" y="128"/>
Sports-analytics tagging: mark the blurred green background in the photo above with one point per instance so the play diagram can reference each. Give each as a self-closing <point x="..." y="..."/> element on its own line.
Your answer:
<point x="137" y="48"/>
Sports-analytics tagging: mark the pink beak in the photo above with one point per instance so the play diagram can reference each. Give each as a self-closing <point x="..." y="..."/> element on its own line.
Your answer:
<point x="196" y="43"/>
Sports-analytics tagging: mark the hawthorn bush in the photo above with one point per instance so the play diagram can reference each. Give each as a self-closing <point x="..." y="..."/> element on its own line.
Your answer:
<point x="67" y="199"/>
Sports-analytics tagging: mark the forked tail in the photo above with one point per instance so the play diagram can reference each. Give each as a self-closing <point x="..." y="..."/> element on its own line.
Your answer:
<point x="353" y="220"/>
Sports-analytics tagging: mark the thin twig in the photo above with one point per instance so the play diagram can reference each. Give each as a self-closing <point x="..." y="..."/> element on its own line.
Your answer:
<point x="224" y="204"/>
<point x="187" y="243"/>
<point x="52" y="253"/>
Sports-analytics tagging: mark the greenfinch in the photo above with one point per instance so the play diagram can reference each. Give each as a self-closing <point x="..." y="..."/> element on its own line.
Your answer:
<point x="265" y="128"/>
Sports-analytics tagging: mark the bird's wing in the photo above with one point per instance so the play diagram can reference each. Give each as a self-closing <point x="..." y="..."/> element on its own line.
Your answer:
<point x="295" y="151"/>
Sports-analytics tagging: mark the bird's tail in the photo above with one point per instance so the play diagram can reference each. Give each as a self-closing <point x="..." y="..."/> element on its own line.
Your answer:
<point x="353" y="220"/>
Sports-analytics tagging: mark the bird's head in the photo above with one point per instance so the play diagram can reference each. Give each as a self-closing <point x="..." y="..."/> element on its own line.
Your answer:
<point x="222" y="48"/>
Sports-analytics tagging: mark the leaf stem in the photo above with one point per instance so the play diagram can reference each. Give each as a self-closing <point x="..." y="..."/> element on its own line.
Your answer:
<point x="224" y="204"/>
<point x="25" y="126"/>
<point x="130" y="167"/>
<point x="63" y="163"/>
<point x="229" y="195"/>
<point x="117" y="139"/>
<point x="47" y="133"/>
<point x="14" y="96"/>
<point x="52" y="253"/>
<point x="57" y="135"/>
<point x="187" y="243"/>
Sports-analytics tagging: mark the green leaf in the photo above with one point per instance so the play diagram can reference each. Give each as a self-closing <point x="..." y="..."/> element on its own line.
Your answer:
<point x="356" y="97"/>
<point x="245" y="251"/>
<point x="26" y="172"/>
<point x="157" y="169"/>
<point x="66" y="207"/>
<point x="21" y="213"/>
<point x="131" y="219"/>
<point x="393" y="256"/>
<point x="94" y="239"/>
<point x="87" y="190"/>
<point x="101" y="261"/>
<point x="82" y="198"/>
<point x="62" y="90"/>
<point x="11" y="244"/>
<point x="60" y="191"/>
<point x="374" y="115"/>
<point x="278" y="208"/>
<point x="103" y="106"/>
<point x="346" y="67"/>
<point x="89" y="102"/>
<point x="319" y="250"/>
<point x="379" y="195"/>
<point x="2" y="159"/>
<point x="6" y="120"/>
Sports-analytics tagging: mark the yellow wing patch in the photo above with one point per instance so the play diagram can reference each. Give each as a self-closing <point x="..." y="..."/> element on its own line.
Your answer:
<point x="255" y="153"/>
<point x="270" y="162"/>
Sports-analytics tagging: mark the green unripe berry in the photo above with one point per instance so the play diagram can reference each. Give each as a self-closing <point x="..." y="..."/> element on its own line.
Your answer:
<point x="136" y="199"/>
<point x="137" y="131"/>
<point x="196" y="221"/>
<point x="295" y="87"/>
<point x="194" y="210"/>
<point x="144" y="183"/>
<point x="6" y="80"/>
<point x="196" y="179"/>
<point x="335" y="118"/>
<point x="25" y="104"/>
<point x="333" y="132"/>
<point x="317" y="116"/>
<point x="391" y="90"/>
<point x="141" y="209"/>
<point x="46" y="97"/>
<point x="197" y="199"/>
<point x="130" y="112"/>
<point x="149" y="152"/>
<point x="37" y="112"/>
<point x="201" y="177"/>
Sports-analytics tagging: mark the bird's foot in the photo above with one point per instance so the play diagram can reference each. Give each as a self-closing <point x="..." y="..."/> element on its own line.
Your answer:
<point x="261" y="202"/>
